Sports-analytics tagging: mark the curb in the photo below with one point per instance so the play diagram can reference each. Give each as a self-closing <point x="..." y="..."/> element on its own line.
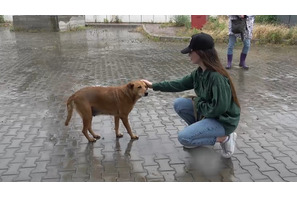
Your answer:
<point x="165" y="38"/>
<point x="114" y="25"/>
<point x="149" y="34"/>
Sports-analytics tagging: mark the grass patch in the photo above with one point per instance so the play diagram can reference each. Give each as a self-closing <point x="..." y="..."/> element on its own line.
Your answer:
<point x="266" y="31"/>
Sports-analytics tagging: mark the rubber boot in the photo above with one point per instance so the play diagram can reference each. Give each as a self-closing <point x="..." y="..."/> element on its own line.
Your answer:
<point x="229" y="59"/>
<point x="242" y="61"/>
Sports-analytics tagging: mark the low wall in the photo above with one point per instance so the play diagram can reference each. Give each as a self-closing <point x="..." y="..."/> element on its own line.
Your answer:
<point x="47" y="23"/>
<point x="35" y="23"/>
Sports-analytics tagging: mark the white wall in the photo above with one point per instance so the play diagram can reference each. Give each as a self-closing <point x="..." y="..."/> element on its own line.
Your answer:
<point x="8" y="18"/>
<point x="130" y="18"/>
<point x="123" y="18"/>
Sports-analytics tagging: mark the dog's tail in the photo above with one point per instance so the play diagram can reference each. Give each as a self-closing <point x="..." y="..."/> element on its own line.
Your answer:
<point x="70" y="106"/>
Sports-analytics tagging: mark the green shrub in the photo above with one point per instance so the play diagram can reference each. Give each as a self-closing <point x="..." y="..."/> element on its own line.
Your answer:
<point x="2" y="19"/>
<point x="266" y="19"/>
<point x="182" y="20"/>
<point x="106" y="20"/>
<point x="216" y="23"/>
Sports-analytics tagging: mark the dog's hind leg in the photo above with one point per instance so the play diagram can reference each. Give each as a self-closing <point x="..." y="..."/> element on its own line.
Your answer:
<point x="85" y="112"/>
<point x="92" y="132"/>
<point x="86" y="126"/>
<point x="87" y="121"/>
<point x="117" y="124"/>
<point x="127" y="125"/>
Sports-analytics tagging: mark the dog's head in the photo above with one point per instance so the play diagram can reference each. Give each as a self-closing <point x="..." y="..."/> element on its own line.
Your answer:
<point x="138" y="88"/>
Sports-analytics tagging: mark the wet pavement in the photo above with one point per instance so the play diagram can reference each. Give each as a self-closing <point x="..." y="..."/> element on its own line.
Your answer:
<point x="39" y="71"/>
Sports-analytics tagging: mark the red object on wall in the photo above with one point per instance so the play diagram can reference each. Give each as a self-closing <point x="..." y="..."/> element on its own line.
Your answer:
<point x="198" y="21"/>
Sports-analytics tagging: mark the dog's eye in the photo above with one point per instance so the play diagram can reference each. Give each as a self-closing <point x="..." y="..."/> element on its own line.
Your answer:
<point x="139" y="87"/>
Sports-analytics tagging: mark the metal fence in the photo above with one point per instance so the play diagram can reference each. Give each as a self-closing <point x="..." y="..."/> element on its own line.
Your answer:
<point x="290" y="20"/>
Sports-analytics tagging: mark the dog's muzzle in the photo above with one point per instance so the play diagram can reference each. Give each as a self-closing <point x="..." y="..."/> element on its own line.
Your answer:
<point x="146" y="94"/>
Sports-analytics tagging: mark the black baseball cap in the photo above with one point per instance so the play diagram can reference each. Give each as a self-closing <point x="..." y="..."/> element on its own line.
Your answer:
<point x="199" y="41"/>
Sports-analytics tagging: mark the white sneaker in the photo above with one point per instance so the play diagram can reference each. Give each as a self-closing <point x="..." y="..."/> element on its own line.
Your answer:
<point x="190" y="147"/>
<point x="228" y="147"/>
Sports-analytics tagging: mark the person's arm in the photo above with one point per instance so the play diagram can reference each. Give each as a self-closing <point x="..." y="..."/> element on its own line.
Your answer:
<point x="183" y="84"/>
<point x="220" y="102"/>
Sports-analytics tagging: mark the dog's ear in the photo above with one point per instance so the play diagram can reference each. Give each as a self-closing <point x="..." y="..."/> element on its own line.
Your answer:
<point x="130" y="85"/>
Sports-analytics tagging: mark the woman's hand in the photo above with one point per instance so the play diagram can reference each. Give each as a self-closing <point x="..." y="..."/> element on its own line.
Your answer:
<point x="148" y="83"/>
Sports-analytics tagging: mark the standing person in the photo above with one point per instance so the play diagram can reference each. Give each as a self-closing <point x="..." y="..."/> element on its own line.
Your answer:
<point x="214" y="114"/>
<point x="246" y="40"/>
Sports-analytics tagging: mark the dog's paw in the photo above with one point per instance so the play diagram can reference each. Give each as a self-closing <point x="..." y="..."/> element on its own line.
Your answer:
<point x="97" y="137"/>
<point x="119" y="135"/>
<point x="92" y="140"/>
<point x="135" y="137"/>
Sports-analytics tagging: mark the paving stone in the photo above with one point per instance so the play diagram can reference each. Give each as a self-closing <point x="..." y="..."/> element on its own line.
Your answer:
<point x="38" y="72"/>
<point x="227" y="175"/>
<point x="287" y="161"/>
<point x="246" y="177"/>
<point x="244" y="161"/>
<point x="275" y="152"/>
<point x="52" y="173"/>
<point x="263" y="166"/>
<point x="250" y="153"/>
<point x="37" y="177"/>
<point x="110" y="177"/>
<point x="40" y="167"/>
<point x="258" y="148"/>
<point x="255" y="173"/>
<point x="65" y="176"/>
<point x="185" y="178"/>
<point x="237" y="169"/>
<point x="30" y="162"/>
<point x="153" y="173"/>
<point x="137" y="167"/>
<point x="96" y="173"/>
<point x="8" y="178"/>
<point x="164" y="165"/>
<point x="13" y="169"/>
<point x="9" y="152"/>
<point x="169" y="176"/>
<point x="139" y="177"/>
<point x="274" y="176"/>
<point x="269" y="158"/>
<point x="290" y="179"/>
<point x="4" y="163"/>
<point x="24" y="174"/>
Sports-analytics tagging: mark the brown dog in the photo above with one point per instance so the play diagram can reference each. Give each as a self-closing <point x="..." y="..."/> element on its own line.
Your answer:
<point x="116" y="101"/>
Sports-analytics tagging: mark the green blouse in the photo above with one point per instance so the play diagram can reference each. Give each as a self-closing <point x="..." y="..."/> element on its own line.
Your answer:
<point x="214" y="97"/>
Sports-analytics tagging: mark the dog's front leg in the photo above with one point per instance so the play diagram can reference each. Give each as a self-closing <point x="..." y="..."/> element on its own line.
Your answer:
<point x="127" y="125"/>
<point x="117" y="124"/>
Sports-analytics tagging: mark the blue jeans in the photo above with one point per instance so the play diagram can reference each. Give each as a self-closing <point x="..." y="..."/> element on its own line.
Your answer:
<point x="232" y="41"/>
<point x="203" y="132"/>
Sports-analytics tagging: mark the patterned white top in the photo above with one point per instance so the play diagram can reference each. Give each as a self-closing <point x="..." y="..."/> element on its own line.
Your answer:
<point x="249" y="23"/>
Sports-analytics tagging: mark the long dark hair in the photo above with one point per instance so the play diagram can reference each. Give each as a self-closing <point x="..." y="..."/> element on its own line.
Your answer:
<point x="212" y="62"/>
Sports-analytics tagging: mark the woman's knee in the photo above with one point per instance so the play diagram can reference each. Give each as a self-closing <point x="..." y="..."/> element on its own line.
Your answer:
<point x="182" y="138"/>
<point x="230" y="48"/>
<point x="178" y="104"/>
<point x="246" y="46"/>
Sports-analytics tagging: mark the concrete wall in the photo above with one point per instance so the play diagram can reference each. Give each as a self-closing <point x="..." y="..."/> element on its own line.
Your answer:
<point x="129" y="18"/>
<point x="109" y="18"/>
<point x="47" y="23"/>
<point x="35" y="23"/>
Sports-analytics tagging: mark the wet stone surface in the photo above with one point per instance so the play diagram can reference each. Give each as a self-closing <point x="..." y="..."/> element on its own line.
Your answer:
<point x="39" y="71"/>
